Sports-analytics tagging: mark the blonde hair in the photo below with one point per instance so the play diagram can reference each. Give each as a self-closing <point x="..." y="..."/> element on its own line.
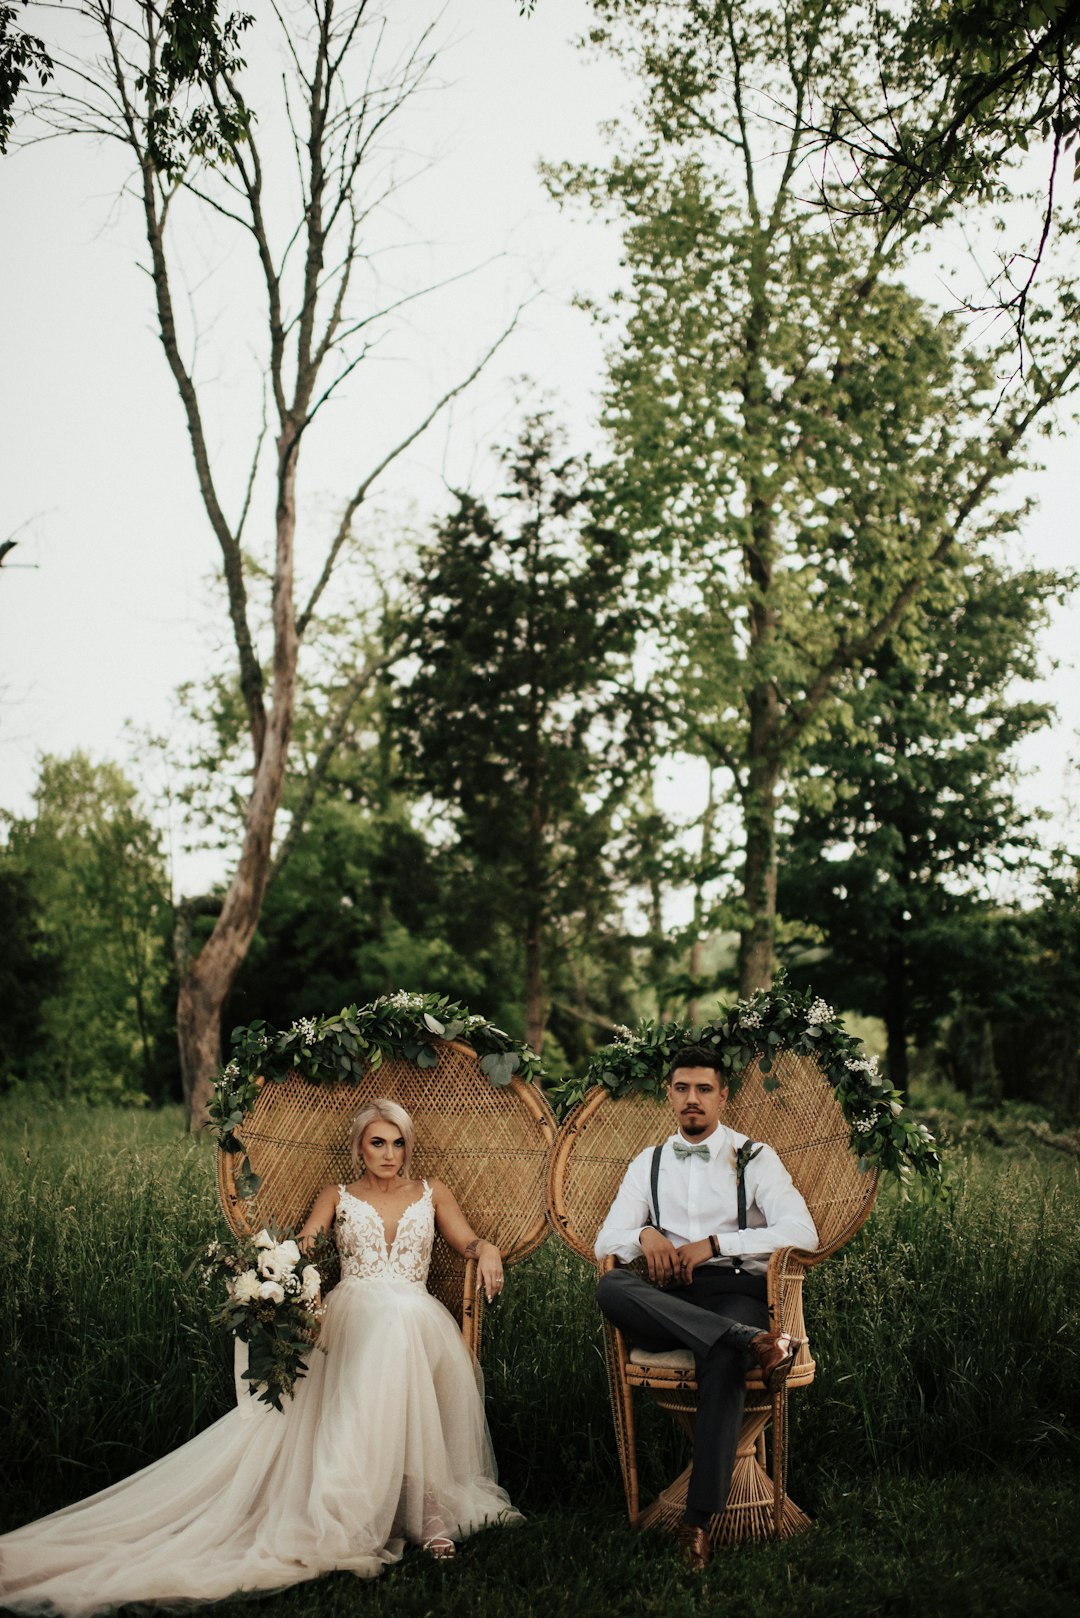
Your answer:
<point x="382" y="1107"/>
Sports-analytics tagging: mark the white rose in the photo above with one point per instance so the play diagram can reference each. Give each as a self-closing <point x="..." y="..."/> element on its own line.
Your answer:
<point x="246" y="1287"/>
<point x="288" y="1254"/>
<point x="311" y="1281"/>
<point x="271" y="1290"/>
<point x="263" y="1239"/>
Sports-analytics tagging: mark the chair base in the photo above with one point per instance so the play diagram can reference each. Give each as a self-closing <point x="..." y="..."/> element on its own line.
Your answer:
<point x="750" y="1512"/>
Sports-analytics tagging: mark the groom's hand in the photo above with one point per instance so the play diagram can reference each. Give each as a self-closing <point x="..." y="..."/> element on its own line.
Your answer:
<point x="660" y="1255"/>
<point x="689" y="1257"/>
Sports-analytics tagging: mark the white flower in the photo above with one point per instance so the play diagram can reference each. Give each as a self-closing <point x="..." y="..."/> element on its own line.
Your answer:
<point x="623" y="1034"/>
<point x="311" y="1281"/>
<point x="232" y="1070"/>
<point x="749" y="1019"/>
<point x="263" y="1239"/>
<point x="277" y="1262"/>
<point x="819" y="1012"/>
<point x="865" y="1126"/>
<point x="245" y="1287"/>
<point x="272" y="1291"/>
<point x="402" y="999"/>
<point x="305" y="1027"/>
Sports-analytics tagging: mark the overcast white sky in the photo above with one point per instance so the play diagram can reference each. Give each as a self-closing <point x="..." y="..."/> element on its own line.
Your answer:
<point x="112" y="613"/>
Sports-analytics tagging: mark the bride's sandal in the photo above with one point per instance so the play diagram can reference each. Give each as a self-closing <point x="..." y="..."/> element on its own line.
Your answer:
<point x="440" y="1547"/>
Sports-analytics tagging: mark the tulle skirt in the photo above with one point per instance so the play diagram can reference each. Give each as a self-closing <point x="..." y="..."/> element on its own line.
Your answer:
<point x="385" y="1441"/>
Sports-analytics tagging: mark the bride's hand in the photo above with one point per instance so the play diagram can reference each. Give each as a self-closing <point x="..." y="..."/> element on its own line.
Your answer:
<point x="490" y="1269"/>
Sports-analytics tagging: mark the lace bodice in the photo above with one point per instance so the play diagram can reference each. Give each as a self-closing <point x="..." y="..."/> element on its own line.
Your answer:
<point x="361" y="1239"/>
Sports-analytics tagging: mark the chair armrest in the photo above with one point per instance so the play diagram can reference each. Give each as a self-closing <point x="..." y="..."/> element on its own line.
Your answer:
<point x="787" y="1265"/>
<point x="472" y="1307"/>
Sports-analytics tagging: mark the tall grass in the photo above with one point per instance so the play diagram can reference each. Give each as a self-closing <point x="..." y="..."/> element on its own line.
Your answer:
<point x="947" y="1338"/>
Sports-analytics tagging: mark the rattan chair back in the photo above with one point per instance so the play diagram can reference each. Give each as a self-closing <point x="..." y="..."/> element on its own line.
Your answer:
<point x="801" y="1119"/>
<point x="489" y="1144"/>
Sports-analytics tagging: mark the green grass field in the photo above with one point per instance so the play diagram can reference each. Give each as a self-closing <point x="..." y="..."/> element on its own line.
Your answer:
<point x="938" y="1449"/>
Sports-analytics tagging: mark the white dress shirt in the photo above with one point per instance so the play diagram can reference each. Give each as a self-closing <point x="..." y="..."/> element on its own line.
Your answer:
<point x="699" y="1198"/>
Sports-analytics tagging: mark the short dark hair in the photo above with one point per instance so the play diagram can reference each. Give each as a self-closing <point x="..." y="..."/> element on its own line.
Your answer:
<point x="698" y="1056"/>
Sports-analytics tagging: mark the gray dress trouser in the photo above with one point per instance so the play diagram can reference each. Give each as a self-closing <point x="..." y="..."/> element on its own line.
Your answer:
<point x="715" y="1323"/>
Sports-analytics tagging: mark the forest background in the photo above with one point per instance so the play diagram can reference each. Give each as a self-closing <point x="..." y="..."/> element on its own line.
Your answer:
<point x="582" y="660"/>
<point x="714" y="643"/>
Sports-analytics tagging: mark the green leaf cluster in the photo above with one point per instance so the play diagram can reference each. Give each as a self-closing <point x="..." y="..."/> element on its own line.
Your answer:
<point x="883" y="1135"/>
<point x="341" y="1049"/>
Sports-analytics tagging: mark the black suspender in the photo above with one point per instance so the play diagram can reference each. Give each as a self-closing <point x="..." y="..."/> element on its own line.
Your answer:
<point x="654" y="1186"/>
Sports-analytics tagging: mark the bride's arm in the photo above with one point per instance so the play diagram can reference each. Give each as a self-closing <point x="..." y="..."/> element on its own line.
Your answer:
<point x="454" y="1228"/>
<point x="320" y="1218"/>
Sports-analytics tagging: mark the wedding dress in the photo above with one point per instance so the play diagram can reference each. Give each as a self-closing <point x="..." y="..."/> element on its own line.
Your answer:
<point x="385" y="1441"/>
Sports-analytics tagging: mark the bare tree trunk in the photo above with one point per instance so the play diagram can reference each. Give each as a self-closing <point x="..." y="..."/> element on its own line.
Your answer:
<point x="535" y="1019"/>
<point x="756" y="940"/>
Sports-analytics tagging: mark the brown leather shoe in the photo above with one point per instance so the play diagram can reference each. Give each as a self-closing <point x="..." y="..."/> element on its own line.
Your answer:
<point x="775" y="1355"/>
<point x="695" y="1546"/>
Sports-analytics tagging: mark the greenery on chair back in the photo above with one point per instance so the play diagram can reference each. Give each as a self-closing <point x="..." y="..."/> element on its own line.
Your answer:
<point x="342" y="1048"/>
<point x="883" y="1135"/>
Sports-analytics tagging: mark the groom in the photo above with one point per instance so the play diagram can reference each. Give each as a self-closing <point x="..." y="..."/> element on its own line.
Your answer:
<point x="705" y="1210"/>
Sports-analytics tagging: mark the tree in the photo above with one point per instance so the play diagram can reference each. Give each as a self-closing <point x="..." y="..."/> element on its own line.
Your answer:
<point x="28" y="970"/>
<point x="170" y="90"/>
<point x="799" y="443"/>
<point x="22" y="54"/>
<point x="522" y="715"/>
<point x="96" y="877"/>
<point x="952" y="95"/>
<point x="904" y="820"/>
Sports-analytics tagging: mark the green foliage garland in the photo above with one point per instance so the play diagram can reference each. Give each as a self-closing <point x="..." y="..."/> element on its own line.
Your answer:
<point x="883" y="1135"/>
<point x="341" y="1049"/>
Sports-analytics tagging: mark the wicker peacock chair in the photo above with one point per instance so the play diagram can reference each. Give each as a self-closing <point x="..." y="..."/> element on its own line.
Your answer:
<point x="803" y="1122"/>
<point x="489" y="1144"/>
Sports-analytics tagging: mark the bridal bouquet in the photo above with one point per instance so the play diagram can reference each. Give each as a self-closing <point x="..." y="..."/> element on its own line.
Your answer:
<point x="271" y="1305"/>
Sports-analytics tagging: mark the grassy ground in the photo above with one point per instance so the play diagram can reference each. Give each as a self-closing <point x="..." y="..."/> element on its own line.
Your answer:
<point x="938" y="1448"/>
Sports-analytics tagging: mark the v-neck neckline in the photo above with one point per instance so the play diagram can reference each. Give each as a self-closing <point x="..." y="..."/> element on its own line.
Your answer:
<point x="388" y="1246"/>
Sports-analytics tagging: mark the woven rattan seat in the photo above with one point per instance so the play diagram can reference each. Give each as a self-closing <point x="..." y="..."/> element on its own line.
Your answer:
<point x="802" y="1120"/>
<point x="488" y="1143"/>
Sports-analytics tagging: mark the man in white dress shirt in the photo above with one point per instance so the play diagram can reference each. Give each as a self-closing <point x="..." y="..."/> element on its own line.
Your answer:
<point x="706" y="1243"/>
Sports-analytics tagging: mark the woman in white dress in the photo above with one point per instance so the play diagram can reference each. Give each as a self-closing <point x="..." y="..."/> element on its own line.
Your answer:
<point x="385" y="1441"/>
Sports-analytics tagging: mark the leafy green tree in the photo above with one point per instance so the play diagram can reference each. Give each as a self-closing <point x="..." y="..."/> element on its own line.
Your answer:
<point x="29" y="971"/>
<point x="951" y="95"/>
<point x="100" y="893"/>
<point x="906" y="817"/>
<point x="22" y="55"/>
<point x="800" y="445"/>
<point x="521" y="715"/>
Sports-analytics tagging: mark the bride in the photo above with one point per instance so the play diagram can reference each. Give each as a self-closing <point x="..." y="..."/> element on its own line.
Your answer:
<point x="384" y="1442"/>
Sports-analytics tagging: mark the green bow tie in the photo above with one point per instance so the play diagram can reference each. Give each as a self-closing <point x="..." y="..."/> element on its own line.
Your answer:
<point x="683" y="1151"/>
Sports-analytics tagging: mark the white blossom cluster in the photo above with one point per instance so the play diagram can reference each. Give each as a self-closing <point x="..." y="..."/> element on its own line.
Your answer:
<point x="820" y="1012"/>
<point x="750" y="1019"/>
<point x="864" y="1126"/>
<point x="622" y="1034"/>
<point x="305" y="1027"/>
<point x="232" y="1071"/>
<point x="275" y="1277"/>
<point x="862" y="1064"/>
<point x="402" y="1000"/>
